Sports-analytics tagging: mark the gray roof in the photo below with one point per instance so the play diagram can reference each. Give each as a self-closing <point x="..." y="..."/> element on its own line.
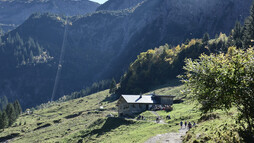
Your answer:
<point x="145" y="99"/>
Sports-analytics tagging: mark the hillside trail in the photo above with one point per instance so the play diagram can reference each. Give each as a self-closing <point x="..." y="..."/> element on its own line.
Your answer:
<point x="168" y="137"/>
<point x="156" y="114"/>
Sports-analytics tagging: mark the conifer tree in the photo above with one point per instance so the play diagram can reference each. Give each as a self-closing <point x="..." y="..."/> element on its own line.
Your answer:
<point x="236" y="36"/>
<point x="10" y="111"/>
<point x="237" y="31"/>
<point x="249" y="29"/>
<point x="3" y="120"/>
<point x="112" y="89"/>
<point x="205" y="38"/>
<point x="17" y="108"/>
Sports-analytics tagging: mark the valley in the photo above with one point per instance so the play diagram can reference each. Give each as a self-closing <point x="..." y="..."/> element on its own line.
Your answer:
<point x="127" y="71"/>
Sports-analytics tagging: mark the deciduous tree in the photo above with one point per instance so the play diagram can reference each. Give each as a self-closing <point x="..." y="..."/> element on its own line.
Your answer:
<point x="223" y="81"/>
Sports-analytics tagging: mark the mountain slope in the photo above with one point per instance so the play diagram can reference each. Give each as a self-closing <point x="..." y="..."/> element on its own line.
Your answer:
<point x="15" y="12"/>
<point x="82" y="120"/>
<point x="118" y="4"/>
<point x="101" y="45"/>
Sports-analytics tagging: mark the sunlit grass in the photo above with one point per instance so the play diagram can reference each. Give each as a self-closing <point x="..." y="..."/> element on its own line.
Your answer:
<point x="92" y="125"/>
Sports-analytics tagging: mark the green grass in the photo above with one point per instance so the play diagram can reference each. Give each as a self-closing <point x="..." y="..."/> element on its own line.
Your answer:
<point x="90" y="123"/>
<point x="139" y="131"/>
<point x="171" y="90"/>
<point x="87" y="106"/>
<point x="181" y="112"/>
<point x="220" y="129"/>
<point x="126" y="131"/>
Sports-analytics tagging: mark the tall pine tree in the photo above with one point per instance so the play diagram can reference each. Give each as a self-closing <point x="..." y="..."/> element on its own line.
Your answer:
<point x="112" y="89"/>
<point x="249" y="29"/>
<point x="17" y="107"/>
<point x="3" y="120"/>
<point x="236" y="36"/>
<point x="10" y="111"/>
<point x="206" y="38"/>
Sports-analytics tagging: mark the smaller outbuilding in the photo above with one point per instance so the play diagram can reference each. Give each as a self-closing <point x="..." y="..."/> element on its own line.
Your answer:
<point x="129" y="105"/>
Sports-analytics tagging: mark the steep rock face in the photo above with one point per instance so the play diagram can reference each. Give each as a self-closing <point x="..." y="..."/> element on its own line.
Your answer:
<point x="15" y="12"/>
<point x="118" y="4"/>
<point x="101" y="45"/>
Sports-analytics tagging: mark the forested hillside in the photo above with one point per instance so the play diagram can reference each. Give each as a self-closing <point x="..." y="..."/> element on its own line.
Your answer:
<point x="15" y="12"/>
<point x="160" y="65"/>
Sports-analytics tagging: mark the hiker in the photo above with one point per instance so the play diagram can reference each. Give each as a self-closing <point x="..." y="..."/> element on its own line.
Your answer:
<point x="185" y="124"/>
<point x="181" y="124"/>
<point x="189" y="125"/>
<point x="157" y="119"/>
<point x="194" y="124"/>
<point x="168" y="117"/>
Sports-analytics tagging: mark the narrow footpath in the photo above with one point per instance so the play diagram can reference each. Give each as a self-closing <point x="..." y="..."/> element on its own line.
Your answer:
<point x="168" y="137"/>
<point x="158" y="116"/>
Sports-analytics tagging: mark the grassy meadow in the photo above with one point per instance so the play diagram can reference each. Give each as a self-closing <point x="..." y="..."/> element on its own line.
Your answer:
<point x="83" y="120"/>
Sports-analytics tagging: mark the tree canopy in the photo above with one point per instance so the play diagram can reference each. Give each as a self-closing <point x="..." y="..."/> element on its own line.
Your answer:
<point x="9" y="114"/>
<point x="222" y="81"/>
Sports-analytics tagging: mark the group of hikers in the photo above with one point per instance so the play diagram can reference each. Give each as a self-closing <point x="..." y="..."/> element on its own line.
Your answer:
<point x="188" y="125"/>
<point x="141" y="118"/>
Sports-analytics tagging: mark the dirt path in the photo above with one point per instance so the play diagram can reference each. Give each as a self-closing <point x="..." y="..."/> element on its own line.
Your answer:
<point x="168" y="137"/>
<point x="156" y="114"/>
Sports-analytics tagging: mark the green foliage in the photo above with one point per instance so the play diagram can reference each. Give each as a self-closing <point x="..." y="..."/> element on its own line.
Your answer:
<point x="23" y="51"/>
<point x="10" y="111"/>
<point x="3" y="120"/>
<point x="221" y="129"/>
<point x="17" y="107"/>
<point x="249" y="29"/>
<point x="113" y="87"/>
<point x="222" y="81"/>
<point x="219" y="44"/>
<point x="206" y="38"/>
<point x="159" y="66"/>
<point x="236" y="36"/>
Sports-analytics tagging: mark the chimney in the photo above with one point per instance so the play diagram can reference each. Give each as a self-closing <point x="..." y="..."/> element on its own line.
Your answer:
<point x="140" y="95"/>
